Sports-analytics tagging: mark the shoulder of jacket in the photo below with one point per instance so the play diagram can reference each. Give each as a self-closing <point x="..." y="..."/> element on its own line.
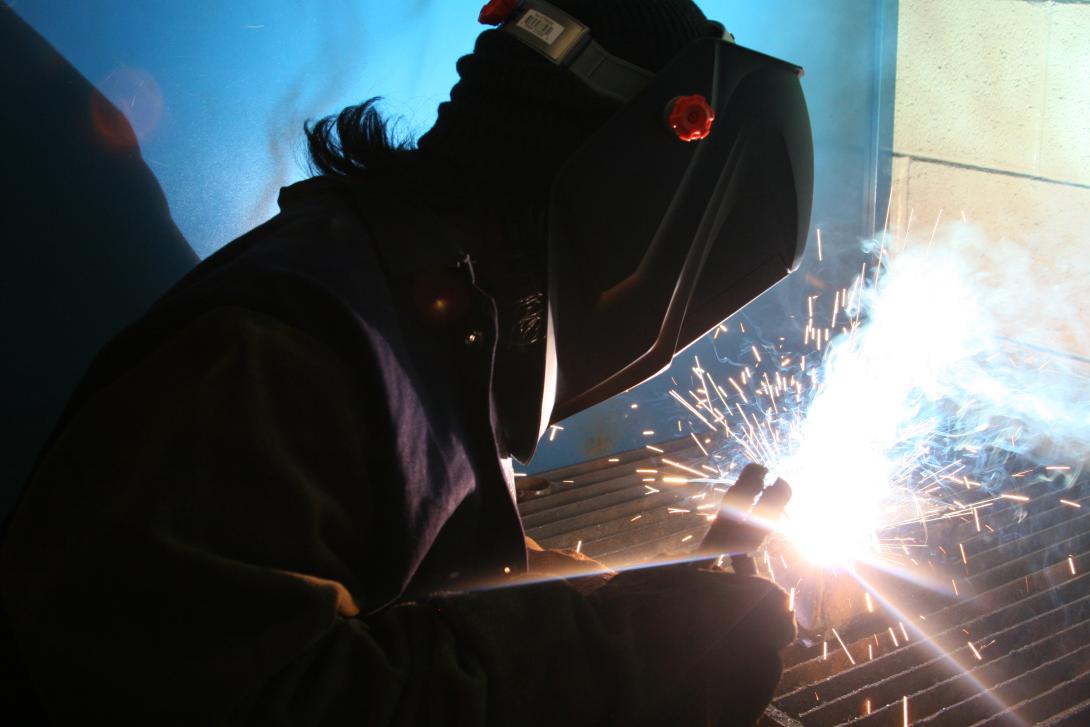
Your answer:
<point x="405" y="231"/>
<point x="310" y="193"/>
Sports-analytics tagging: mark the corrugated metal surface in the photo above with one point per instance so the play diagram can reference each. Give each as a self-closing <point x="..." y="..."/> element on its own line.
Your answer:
<point x="620" y="519"/>
<point x="1011" y="648"/>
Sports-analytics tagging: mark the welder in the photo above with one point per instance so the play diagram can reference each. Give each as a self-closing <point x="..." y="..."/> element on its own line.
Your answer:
<point x="284" y="495"/>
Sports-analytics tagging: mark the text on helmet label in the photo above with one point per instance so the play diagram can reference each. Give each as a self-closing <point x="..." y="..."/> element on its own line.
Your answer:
<point x="541" y="26"/>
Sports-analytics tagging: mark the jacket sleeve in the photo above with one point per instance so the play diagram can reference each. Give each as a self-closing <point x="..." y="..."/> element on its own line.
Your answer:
<point x="152" y="572"/>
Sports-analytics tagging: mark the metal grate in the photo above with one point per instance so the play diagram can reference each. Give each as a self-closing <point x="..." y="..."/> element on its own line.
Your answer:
<point x="605" y="507"/>
<point x="1012" y="647"/>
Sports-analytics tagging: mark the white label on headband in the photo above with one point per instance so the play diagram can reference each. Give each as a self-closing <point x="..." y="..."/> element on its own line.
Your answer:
<point x="541" y="25"/>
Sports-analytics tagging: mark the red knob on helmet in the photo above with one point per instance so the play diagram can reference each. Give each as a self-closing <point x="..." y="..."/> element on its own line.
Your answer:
<point x="498" y="11"/>
<point x="691" y="117"/>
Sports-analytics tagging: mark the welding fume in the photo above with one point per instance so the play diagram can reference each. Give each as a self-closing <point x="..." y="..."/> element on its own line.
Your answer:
<point x="284" y="494"/>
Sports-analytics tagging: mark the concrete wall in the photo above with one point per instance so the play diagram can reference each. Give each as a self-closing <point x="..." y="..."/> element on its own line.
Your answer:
<point x="992" y="121"/>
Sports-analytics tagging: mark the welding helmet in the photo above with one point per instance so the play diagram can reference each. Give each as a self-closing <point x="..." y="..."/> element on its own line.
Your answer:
<point x="689" y="202"/>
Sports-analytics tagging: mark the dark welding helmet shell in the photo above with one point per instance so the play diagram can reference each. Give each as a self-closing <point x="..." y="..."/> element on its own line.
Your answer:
<point x="653" y="241"/>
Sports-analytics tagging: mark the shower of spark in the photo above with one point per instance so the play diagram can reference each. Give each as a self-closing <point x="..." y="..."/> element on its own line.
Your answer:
<point x="905" y="391"/>
<point x="896" y="415"/>
<point x="899" y="406"/>
<point x="872" y="428"/>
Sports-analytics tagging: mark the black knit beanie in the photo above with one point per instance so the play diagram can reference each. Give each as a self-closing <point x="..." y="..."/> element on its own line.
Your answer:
<point x="514" y="117"/>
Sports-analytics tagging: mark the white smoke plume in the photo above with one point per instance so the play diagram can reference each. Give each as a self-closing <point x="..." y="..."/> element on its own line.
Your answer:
<point x="959" y="355"/>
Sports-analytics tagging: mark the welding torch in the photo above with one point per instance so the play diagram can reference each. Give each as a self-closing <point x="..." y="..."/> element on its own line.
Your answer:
<point x="747" y="514"/>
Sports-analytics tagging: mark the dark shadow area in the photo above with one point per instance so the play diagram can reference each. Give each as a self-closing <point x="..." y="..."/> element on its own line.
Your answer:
<point x="88" y="241"/>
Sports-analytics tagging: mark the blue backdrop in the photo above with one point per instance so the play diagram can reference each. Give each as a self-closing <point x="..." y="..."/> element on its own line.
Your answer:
<point x="218" y="92"/>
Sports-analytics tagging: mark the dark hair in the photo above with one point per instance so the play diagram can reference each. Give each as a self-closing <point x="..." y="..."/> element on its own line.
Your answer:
<point x="355" y="140"/>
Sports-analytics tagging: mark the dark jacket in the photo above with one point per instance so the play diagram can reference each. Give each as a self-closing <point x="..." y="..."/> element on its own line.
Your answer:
<point x="284" y="408"/>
